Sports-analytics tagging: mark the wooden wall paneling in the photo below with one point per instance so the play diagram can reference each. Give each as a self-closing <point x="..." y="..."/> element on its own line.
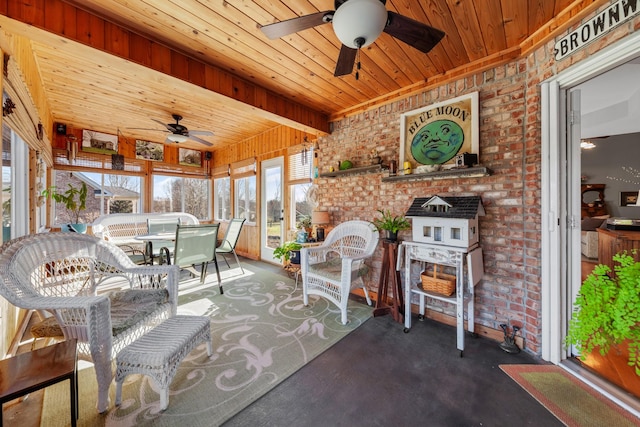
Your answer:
<point x="140" y="50"/>
<point x="179" y="66"/>
<point x="160" y="58"/>
<point x="116" y="39"/>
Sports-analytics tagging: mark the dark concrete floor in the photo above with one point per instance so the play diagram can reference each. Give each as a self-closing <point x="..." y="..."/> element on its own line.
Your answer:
<point x="380" y="376"/>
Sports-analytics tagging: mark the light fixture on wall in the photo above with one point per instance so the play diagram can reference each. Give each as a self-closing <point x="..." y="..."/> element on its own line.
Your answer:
<point x="177" y="138"/>
<point x="585" y="144"/>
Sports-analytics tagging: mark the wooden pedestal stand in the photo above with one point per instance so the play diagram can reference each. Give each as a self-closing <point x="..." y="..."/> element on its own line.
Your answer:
<point x="389" y="276"/>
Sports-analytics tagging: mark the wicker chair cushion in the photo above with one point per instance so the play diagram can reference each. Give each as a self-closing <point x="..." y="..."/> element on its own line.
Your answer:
<point x="332" y="269"/>
<point x="130" y="306"/>
<point x="49" y="327"/>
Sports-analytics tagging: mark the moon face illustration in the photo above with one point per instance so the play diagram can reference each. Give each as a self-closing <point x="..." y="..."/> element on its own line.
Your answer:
<point x="437" y="142"/>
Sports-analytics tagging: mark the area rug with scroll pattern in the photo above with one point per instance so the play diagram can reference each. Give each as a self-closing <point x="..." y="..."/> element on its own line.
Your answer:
<point x="261" y="332"/>
<point x="572" y="401"/>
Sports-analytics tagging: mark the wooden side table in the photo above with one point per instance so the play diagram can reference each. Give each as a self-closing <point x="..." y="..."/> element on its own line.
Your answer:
<point x="34" y="370"/>
<point x="389" y="276"/>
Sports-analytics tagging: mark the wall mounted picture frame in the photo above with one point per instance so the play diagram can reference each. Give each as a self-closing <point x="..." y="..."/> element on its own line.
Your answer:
<point x="188" y="157"/>
<point x="98" y="142"/>
<point x="147" y="150"/>
<point x="628" y="198"/>
<point x="437" y="133"/>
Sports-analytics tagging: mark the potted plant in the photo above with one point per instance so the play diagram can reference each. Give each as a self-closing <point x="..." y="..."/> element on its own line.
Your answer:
<point x="74" y="200"/>
<point x="288" y="252"/>
<point x="607" y="311"/>
<point x="391" y="224"/>
<point x="304" y="224"/>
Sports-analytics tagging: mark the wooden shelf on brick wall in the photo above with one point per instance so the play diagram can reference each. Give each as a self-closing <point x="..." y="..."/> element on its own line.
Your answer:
<point x="472" y="172"/>
<point x="352" y="171"/>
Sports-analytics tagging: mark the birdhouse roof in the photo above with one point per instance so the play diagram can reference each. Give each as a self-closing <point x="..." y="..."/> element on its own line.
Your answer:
<point x="465" y="207"/>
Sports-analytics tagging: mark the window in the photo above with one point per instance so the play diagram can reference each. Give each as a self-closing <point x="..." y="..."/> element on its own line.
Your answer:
<point x="437" y="234"/>
<point x="245" y="198"/>
<point x="299" y="201"/>
<point x="299" y="183"/>
<point x="15" y="185"/>
<point x="106" y="193"/>
<point x="6" y="184"/>
<point x="175" y="194"/>
<point x="456" y="233"/>
<point x="222" y="199"/>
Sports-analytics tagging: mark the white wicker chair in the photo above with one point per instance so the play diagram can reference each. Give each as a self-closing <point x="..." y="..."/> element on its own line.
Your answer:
<point x="61" y="273"/>
<point x="332" y="269"/>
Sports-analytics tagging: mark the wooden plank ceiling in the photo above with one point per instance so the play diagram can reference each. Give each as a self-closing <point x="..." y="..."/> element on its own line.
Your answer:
<point x="91" y="89"/>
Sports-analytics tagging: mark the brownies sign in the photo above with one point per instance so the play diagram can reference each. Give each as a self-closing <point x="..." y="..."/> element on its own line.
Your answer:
<point x="596" y="27"/>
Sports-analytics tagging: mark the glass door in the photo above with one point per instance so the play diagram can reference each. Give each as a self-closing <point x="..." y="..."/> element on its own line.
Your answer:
<point x="272" y="233"/>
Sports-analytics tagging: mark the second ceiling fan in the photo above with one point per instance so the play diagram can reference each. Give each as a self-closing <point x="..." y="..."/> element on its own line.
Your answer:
<point x="357" y="24"/>
<point x="179" y="133"/>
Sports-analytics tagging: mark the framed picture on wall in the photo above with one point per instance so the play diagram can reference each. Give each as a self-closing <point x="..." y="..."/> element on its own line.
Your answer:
<point x="188" y="157"/>
<point x="628" y="198"/>
<point x="98" y="142"/>
<point x="147" y="150"/>
<point x="436" y="134"/>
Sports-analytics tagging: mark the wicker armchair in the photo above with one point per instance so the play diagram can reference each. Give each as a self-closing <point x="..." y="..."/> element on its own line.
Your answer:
<point x="61" y="273"/>
<point x="332" y="269"/>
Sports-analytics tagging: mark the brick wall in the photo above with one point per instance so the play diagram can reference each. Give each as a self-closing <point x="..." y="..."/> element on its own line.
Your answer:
<point x="510" y="145"/>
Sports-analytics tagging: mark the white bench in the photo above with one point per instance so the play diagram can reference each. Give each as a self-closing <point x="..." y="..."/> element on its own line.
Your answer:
<point x="159" y="352"/>
<point x="121" y="229"/>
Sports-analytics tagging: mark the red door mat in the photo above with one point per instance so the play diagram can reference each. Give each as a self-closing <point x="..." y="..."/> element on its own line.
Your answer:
<point x="572" y="401"/>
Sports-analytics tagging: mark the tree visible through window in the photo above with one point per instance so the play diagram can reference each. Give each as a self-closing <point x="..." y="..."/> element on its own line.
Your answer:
<point x="245" y="198"/>
<point x="174" y="194"/>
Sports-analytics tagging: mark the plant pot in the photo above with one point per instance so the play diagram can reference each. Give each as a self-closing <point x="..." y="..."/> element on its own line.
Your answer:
<point x="391" y="236"/>
<point x="302" y="236"/>
<point x="294" y="257"/>
<point x="74" y="228"/>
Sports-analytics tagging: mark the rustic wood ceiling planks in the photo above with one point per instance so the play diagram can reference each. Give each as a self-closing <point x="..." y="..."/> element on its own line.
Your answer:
<point x="226" y="35"/>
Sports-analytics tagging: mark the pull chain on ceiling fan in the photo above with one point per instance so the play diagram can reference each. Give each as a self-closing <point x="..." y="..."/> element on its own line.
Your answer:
<point x="357" y="24"/>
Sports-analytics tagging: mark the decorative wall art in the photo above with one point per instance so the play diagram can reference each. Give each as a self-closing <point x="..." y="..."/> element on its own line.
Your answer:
<point x="628" y="198"/>
<point x="189" y="157"/>
<point x="98" y="142"/>
<point x="147" y="150"/>
<point x="435" y="134"/>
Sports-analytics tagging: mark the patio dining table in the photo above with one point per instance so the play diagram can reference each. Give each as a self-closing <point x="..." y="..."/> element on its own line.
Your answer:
<point x="155" y="237"/>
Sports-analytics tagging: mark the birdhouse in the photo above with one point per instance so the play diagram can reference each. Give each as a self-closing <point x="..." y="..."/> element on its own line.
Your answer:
<point x="448" y="221"/>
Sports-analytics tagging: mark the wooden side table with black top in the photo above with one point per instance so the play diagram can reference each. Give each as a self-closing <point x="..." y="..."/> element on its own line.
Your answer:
<point x="37" y="369"/>
<point x="389" y="276"/>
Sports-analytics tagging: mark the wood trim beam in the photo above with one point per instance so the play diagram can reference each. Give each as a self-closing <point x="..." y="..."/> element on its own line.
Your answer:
<point x="66" y="20"/>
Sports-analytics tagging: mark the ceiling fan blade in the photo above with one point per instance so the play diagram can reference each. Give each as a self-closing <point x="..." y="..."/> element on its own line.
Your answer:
<point x="412" y="32"/>
<point x="200" y="132"/>
<point x="201" y="141"/>
<point x="155" y="130"/>
<point x="293" y="25"/>
<point x="162" y="123"/>
<point x="346" y="59"/>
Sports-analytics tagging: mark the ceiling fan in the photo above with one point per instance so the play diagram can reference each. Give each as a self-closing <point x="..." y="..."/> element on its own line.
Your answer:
<point x="357" y="24"/>
<point x="179" y="133"/>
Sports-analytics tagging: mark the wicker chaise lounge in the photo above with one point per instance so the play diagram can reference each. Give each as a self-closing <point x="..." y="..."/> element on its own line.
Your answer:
<point x="61" y="273"/>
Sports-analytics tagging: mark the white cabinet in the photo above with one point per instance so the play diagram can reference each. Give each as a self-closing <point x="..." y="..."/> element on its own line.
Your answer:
<point x="469" y="270"/>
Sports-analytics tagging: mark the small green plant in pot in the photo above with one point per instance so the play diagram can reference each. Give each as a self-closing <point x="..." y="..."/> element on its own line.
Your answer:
<point x="287" y="252"/>
<point x="607" y="310"/>
<point x="74" y="200"/>
<point x="391" y="224"/>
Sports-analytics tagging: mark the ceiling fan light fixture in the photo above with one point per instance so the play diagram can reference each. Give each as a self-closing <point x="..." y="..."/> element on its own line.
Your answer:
<point x="358" y="20"/>
<point x="177" y="138"/>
